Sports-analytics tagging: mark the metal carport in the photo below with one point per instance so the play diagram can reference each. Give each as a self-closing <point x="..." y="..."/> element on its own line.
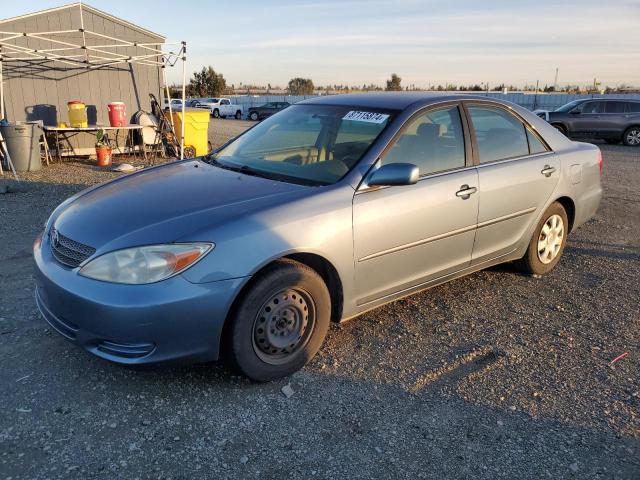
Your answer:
<point x="79" y="48"/>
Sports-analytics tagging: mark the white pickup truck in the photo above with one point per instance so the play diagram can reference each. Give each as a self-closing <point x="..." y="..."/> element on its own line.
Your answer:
<point x="221" y="107"/>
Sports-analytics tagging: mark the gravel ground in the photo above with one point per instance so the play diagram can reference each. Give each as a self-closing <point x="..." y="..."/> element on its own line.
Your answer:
<point x="497" y="375"/>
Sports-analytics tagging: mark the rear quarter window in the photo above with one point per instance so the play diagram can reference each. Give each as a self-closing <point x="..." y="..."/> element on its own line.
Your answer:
<point x="633" y="107"/>
<point x="499" y="134"/>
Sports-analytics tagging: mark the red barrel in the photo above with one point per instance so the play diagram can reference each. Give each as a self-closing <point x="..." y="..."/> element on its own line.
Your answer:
<point x="117" y="114"/>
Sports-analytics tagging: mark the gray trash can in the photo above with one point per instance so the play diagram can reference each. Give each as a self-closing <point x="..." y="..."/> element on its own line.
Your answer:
<point x="23" y="143"/>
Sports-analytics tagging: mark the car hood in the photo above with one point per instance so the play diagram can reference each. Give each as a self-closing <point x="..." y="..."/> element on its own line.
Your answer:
<point x="165" y="204"/>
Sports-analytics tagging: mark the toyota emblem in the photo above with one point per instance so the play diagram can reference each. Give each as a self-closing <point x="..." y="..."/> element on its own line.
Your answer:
<point x="55" y="237"/>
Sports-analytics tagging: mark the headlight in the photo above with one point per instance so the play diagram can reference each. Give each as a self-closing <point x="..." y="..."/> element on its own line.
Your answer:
<point x="147" y="264"/>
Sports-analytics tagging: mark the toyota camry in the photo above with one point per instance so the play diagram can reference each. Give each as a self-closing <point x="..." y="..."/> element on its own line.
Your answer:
<point x="327" y="209"/>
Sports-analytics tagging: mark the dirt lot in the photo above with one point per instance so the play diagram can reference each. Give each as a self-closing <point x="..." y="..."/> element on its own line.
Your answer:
<point x="497" y="375"/>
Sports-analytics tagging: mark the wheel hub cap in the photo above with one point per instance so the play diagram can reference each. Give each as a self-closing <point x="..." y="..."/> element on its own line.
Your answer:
<point x="283" y="325"/>
<point x="633" y="137"/>
<point x="550" y="239"/>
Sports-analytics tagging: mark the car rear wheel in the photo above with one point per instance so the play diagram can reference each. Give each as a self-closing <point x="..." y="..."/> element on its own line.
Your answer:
<point x="548" y="241"/>
<point x="254" y="116"/>
<point x="238" y="115"/>
<point x="631" y="137"/>
<point x="280" y="323"/>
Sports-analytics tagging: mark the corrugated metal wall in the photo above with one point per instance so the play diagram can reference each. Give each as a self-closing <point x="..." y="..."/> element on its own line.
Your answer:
<point x="40" y="89"/>
<point x="544" y="101"/>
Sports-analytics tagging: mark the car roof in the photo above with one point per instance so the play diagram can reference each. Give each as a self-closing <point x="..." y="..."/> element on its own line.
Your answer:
<point x="600" y="99"/>
<point x="391" y="100"/>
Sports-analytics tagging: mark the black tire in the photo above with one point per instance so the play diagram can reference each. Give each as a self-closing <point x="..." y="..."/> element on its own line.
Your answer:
<point x="612" y="141"/>
<point x="532" y="262"/>
<point x="280" y="322"/>
<point x="561" y="128"/>
<point x="216" y="113"/>
<point x="254" y="116"/>
<point x="238" y="115"/>
<point x="631" y="137"/>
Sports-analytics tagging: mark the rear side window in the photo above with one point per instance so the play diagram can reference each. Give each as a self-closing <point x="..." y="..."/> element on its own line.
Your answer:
<point x="434" y="141"/>
<point x="499" y="134"/>
<point x="614" y="107"/>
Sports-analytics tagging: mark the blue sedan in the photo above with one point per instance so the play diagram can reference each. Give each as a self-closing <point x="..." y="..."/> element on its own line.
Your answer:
<point x="325" y="210"/>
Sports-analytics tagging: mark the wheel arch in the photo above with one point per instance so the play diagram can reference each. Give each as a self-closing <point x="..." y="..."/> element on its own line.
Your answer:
<point x="318" y="263"/>
<point x="560" y="124"/>
<point x="570" y="207"/>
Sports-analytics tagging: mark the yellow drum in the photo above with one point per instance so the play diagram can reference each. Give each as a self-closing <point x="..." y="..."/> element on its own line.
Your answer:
<point x="196" y="130"/>
<point x="77" y="114"/>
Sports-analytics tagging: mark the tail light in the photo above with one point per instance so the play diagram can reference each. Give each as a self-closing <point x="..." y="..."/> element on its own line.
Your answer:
<point x="600" y="161"/>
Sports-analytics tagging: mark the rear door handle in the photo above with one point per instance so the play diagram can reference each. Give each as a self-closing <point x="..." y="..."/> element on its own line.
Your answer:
<point x="466" y="191"/>
<point x="547" y="170"/>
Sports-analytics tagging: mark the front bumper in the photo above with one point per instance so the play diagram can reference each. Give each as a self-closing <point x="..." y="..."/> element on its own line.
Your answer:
<point x="133" y="324"/>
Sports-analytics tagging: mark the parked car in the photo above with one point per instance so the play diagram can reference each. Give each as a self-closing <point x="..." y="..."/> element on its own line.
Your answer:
<point x="221" y="107"/>
<point x="266" y="110"/>
<point x="192" y="102"/>
<point x="176" y="103"/>
<point x="328" y="209"/>
<point x="608" y="119"/>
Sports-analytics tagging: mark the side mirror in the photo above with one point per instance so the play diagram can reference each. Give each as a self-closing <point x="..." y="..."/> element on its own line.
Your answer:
<point x="394" y="174"/>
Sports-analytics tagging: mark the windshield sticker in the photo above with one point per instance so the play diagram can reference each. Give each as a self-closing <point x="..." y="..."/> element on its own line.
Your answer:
<point x="370" y="117"/>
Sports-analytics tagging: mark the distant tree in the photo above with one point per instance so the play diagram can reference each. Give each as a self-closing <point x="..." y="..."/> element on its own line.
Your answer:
<point x="475" y="88"/>
<point x="207" y="83"/>
<point x="300" y="86"/>
<point x="393" y="84"/>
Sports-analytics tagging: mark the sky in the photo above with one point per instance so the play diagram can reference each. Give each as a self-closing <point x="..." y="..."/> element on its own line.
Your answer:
<point x="428" y="42"/>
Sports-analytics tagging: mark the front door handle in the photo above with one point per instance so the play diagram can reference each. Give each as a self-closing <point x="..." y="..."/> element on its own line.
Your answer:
<point x="466" y="191"/>
<point x="547" y="170"/>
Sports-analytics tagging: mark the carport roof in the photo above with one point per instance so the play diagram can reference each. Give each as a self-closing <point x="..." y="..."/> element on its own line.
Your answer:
<point x="87" y="8"/>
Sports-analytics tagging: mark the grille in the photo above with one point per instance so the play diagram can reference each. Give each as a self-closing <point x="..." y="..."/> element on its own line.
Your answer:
<point x="67" y="251"/>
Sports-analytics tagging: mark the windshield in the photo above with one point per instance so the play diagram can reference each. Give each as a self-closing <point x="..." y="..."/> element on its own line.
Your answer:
<point x="569" y="106"/>
<point x="308" y="144"/>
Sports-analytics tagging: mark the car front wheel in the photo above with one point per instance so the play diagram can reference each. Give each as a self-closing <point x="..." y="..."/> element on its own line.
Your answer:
<point x="631" y="137"/>
<point x="216" y="113"/>
<point x="254" y="116"/>
<point x="280" y="323"/>
<point x="548" y="241"/>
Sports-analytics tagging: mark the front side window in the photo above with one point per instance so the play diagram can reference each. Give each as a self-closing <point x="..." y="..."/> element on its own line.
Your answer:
<point x="225" y="102"/>
<point x="499" y="134"/>
<point x="591" y="107"/>
<point x="434" y="142"/>
<point x="307" y="144"/>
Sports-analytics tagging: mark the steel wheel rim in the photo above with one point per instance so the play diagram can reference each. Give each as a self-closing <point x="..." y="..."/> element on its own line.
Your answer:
<point x="633" y="137"/>
<point x="283" y="325"/>
<point x="550" y="239"/>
